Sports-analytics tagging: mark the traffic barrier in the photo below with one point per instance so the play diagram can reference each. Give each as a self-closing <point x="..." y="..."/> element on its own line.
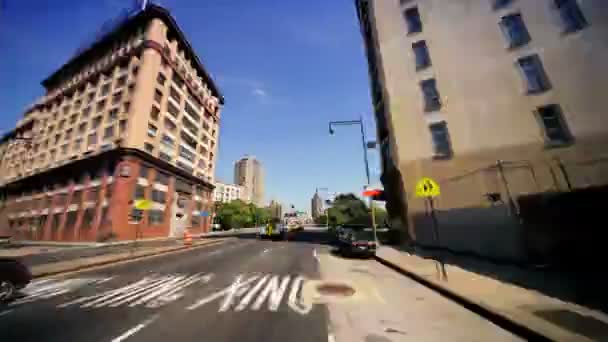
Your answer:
<point x="187" y="238"/>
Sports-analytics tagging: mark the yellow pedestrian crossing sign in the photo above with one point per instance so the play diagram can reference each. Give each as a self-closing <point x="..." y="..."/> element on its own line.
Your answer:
<point x="143" y="204"/>
<point x="427" y="187"/>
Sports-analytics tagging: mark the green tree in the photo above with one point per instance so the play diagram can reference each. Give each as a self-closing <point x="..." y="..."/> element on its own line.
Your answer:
<point x="238" y="214"/>
<point x="348" y="209"/>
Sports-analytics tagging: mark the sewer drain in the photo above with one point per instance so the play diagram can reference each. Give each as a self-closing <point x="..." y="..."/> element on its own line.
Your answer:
<point x="333" y="289"/>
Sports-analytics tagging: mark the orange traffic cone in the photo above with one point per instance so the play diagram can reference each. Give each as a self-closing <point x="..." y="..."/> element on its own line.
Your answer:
<point x="187" y="238"/>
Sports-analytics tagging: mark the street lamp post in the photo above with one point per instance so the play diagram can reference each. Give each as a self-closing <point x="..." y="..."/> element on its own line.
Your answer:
<point x="365" y="159"/>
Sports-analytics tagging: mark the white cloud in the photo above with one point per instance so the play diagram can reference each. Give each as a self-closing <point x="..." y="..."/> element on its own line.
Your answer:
<point x="259" y="92"/>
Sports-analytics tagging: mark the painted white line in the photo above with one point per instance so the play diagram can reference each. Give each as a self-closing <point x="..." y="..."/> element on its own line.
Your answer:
<point x="331" y="338"/>
<point x="296" y="303"/>
<point x="6" y="312"/>
<point x="167" y="289"/>
<point x="135" y="329"/>
<point x="266" y="250"/>
<point x="223" y="292"/>
<point x="274" y="292"/>
<point x="167" y="281"/>
<point x="247" y="299"/>
<point x="315" y="255"/>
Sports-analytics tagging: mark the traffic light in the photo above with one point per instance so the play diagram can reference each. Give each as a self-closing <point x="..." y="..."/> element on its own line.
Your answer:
<point x="375" y="194"/>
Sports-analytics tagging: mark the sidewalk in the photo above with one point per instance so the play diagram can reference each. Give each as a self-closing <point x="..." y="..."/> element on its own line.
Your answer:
<point x="69" y="260"/>
<point x="548" y="316"/>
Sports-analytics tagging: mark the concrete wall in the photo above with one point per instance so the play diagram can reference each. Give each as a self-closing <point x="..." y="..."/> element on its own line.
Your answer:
<point x="489" y="115"/>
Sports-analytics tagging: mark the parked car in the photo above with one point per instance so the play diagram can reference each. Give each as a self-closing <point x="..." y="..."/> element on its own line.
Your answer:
<point x="358" y="243"/>
<point x="14" y="276"/>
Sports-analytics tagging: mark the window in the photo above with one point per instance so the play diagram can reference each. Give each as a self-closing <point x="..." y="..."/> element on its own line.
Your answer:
<point x="77" y="143"/>
<point x="86" y="112"/>
<point x="143" y="171"/>
<point x="534" y="74"/>
<point x="421" y="53"/>
<point x="126" y="106"/>
<point x="116" y="97"/>
<point x="122" y="127"/>
<point x="192" y="112"/>
<point x="113" y="114"/>
<point x="177" y="79"/>
<point x="167" y="140"/>
<point x="82" y="127"/>
<point x="100" y="105"/>
<point x="195" y="221"/>
<point x="105" y="89"/>
<point x="189" y="125"/>
<point x="164" y="156"/>
<point x="185" y="167"/>
<point x="412" y="20"/>
<point x="154" y="113"/>
<point x="158" y="96"/>
<point x="152" y="130"/>
<point x="140" y="192"/>
<point x="432" y="101"/>
<point x="73" y="118"/>
<point x="205" y="126"/>
<point x="514" y="30"/>
<point x="210" y="157"/>
<point x="76" y="197"/>
<point x="77" y="105"/>
<point x="68" y="134"/>
<point x="187" y="139"/>
<point x="121" y="81"/>
<point x="498" y="4"/>
<point x="155" y="216"/>
<point x="148" y="147"/>
<point x="204" y="151"/>
<point x="174" y="94"/>
<point x="108" y="132"/>
<point x="553" y="124"/>
<point x="186" y="154"/>
<point x="61" y="124"/>
<point x="442" y="148"/>
<point x="64" y="149"/>
<point x="161" y="178"/>
<point x="90" y="97"/>
<point x="92" y="139"/>
<point x="201" y="163"/>
<point x="571" y="15"/>
<point x="161" y="79"/>
<point x="96" y="122"/>
<point x="169" y="125"/>
<point x="57" y="138"/>
<point x="172" y="109"/>
<point x="131" y="88"/>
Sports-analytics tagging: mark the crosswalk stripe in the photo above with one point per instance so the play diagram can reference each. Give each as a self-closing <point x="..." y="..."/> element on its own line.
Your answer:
<point x="105" y="295"/>
<point x="131" y="294"/>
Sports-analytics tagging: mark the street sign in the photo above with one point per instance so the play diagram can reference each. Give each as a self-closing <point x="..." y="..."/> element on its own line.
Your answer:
<point x="143" y="204"/>
<point x="203" y="213"/>
<point x="427" y="187"/>
<point x="372" y="192"/>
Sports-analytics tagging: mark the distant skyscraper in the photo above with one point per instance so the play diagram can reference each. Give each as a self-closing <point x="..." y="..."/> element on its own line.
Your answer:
<point x="248" y="173"/>
<point x="276" y="209"/>
<point x="316" y="205"/>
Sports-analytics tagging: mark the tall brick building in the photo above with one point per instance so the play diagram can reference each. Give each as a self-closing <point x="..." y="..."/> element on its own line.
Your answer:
<point x="133" y="115"/>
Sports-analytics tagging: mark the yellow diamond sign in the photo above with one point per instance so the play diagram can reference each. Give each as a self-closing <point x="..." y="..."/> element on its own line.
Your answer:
<point x="427" y="187"/>
<point x="143" y="204"/>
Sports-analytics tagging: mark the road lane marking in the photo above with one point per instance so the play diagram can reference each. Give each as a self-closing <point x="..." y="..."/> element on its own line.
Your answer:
<point x="274" y="292"/>
<point x="296" y="303"/>
<point x="247" y="299"/>
<point x="315" y="255"/>
<point x="331" y="338"/>
<point x="48" y="288"/>
<point x="235" y="290"/>
<point x="135" y="329"/>
<point x="221" y="293"/>
<point x="151" y="291"/>
<point x="6" y="312"/>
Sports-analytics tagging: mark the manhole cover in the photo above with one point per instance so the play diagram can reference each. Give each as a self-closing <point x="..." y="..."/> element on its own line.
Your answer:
<point x="335" y="290"/>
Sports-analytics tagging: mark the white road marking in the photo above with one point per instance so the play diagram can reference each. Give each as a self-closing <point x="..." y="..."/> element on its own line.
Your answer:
<point x="48" y="288"/>
<point x="296" y="303"/>
<point x="221" y="293"/>
<point x="5" y="312"/>
<point x="315" y="255"/>
<point x="247" y="299"/>
<point x="331" y="338"/>
<point x="235" y="290"/>
<point x="152" y="291"/>
<point x="135" y="329"/>
<point x="265" y="250"/>
<point x="274" y="292"/>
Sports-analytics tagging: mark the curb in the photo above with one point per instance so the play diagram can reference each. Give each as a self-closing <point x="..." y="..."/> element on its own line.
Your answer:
<point x="486" y="312"/>
<point x="122" y="259"/>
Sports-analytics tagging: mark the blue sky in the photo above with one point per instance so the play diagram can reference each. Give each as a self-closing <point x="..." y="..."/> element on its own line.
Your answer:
<point x="285" y="67"/>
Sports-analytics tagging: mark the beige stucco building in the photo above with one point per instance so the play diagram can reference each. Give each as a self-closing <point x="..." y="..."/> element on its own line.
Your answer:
<point x="133" y="115"/>
<point x="227" y="193"/>
<point x="248" y="173"/>
<point x="492" y="99"/>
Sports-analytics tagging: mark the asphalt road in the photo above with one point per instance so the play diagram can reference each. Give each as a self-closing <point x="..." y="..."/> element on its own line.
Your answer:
<point x="241" y="290"/>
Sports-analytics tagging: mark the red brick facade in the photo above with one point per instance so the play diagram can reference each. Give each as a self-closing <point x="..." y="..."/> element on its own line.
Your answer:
<point x="93" y="201"/>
